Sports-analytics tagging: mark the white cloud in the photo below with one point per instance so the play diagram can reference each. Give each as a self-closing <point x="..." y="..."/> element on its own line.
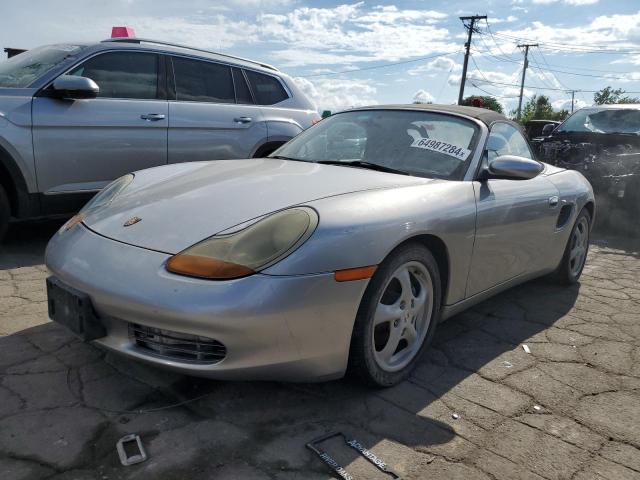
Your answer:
<point x="337" y="94"/>
<point x="487" y="78"/>
<point x="614" y="31"/>
<point x="567" y="2"/>
<point x="437" y="66"/>
<point x="565" y="104"/>
<point x="422" y="96"/>
<point x="623" y="77"/>
<point x="340" y="34"/>
<point x="510" y="18"/>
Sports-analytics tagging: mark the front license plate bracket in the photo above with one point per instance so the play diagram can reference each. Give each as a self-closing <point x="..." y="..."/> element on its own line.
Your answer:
<point x="73" y="309"/>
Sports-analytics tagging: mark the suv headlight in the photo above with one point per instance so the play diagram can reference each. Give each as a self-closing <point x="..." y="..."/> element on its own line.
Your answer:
<point x="247" y="251"/>
<point x="101" y="199"/>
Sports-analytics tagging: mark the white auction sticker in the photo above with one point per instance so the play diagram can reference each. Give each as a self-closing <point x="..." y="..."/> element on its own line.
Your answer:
<point x="442" y="147"/>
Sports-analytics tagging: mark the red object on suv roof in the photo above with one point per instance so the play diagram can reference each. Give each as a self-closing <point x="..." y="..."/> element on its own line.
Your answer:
<point x="122" y="32"/>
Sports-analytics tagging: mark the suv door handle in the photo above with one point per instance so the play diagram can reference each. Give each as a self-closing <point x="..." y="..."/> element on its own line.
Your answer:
<point x="242" y="119"/>
<point x="553" y="201"/>
<point x="153" y="117"/>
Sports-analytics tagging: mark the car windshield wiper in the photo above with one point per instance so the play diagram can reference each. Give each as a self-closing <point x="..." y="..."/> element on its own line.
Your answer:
<point x="362" y="164"/>
<point x="282" y="157"/>
<point x="632" y="134"/>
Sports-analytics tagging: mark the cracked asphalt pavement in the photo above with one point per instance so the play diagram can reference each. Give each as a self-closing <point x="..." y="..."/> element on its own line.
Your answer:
<point x="569" y="409"/>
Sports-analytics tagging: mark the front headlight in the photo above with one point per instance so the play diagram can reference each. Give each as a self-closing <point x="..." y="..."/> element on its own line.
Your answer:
<point x="102" y="198"/>
<point x="108" y="193"/>
<point x="249" y="250"/>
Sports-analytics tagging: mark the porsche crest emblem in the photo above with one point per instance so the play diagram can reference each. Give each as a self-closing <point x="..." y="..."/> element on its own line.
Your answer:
<point x="132" y="221"/>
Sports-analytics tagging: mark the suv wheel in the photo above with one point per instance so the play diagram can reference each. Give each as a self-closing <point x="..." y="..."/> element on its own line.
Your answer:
<point x="5" y="212"/>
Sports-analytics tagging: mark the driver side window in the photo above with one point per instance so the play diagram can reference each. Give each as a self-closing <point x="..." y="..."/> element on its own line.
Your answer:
<point x="505" y="139"/>
<point x="131" y="75"/>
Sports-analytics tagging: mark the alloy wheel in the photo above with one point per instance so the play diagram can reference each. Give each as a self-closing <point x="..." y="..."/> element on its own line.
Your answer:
<point x="579" y="245"/>
<point x="402" y="316"/>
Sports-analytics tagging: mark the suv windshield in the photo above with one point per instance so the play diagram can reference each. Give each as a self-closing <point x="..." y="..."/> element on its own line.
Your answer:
<point x="425" y="144"/>
<point x="603" y="120"/>
<point x="23" y="69"/>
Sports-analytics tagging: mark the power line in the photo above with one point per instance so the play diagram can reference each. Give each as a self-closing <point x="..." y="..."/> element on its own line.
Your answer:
<point x="573" y="92"/>
<point x="493" y="94"/>
<point x="607" y="77"/>
<point x="578" y="68"/>
<point x="545" y="88"/>
<point x="493" y="38"/>
<point x="569" y="47"/>
<point x="478" y="68"/>
<point x="545" y="79"/>
<point x="544" y="59"/>
<point x="385" y="65"/>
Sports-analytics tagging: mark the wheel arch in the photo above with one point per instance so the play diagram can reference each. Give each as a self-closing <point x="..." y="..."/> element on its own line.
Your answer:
<point x="440" y="252"/>
<point x="14" y="184"/>
<point x="268" y="147"/>
<point x="591" y="208"/>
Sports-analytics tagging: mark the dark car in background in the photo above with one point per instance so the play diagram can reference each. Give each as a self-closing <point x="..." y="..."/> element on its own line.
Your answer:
<point x="603" y="143"/>
<point x="536" y="128"/>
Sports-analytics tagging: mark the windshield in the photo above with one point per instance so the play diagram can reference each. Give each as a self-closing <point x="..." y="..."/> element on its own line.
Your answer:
<point x="603" y="120"/>
<point x="425" y="144"/>
<point x="23" y="69"/>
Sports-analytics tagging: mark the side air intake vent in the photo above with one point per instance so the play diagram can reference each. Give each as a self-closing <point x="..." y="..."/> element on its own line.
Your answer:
<point x="564" y="216"/>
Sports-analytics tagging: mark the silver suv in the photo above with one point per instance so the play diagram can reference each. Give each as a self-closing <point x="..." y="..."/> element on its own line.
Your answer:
<point x="75" y="117"/>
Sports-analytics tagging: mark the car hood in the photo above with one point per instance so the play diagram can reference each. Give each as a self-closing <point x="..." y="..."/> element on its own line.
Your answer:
<point x="180" y="205"/>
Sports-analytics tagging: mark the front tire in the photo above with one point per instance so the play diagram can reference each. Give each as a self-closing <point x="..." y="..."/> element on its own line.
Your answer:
<point x="5" y="212"/>
<point x="397" y="317"/>
<point x="575" y="253"/>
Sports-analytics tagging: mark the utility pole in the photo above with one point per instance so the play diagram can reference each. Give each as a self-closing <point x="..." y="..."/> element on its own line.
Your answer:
<point x="471" y="28"/>
<point x="572" y="94"/>
<point x="524" y="71"/>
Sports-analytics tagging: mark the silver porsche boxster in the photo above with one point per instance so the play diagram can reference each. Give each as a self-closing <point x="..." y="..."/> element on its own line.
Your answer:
<point x="338" y="253"/>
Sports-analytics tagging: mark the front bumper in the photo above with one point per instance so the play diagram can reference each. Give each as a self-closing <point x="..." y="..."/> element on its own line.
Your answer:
<point x="294" y="328"/>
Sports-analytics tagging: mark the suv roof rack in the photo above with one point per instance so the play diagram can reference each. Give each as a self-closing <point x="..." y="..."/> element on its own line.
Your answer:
<point x="169" y="44"/>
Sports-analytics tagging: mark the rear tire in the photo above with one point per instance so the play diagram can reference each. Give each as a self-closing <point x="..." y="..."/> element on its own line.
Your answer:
<point x="575" y="253"/>
<point x="5" y="212"/>
<point x="397" y="317"/>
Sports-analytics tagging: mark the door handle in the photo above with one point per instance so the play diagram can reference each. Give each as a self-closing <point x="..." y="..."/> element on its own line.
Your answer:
<point x="153" y="117"/>
<point x="553" y="201"/>
<point x="242" y="119"/>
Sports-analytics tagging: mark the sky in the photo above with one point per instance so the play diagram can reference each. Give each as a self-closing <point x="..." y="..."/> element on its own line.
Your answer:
<point x="345" y="54"/>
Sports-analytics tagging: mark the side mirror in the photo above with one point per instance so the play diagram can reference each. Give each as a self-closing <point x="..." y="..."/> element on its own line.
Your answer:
<point x="73" y="87"/>
<point x="548" y="128"/>
<point x="514" y="168"/>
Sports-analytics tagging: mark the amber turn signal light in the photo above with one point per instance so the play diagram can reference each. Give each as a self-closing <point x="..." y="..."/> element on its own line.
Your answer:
<point x="72" y="222"/>
<point x="205" y="267"/>
<point x="351" y="274"/>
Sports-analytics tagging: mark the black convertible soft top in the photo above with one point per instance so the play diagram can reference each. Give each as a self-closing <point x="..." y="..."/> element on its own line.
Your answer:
<point x="484" y="115"/>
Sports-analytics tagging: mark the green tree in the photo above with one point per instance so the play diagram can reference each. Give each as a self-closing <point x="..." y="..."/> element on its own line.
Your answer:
<point x="539" y="108"/>
<point x="484" y="101"/>
<point x="609" y="95"/>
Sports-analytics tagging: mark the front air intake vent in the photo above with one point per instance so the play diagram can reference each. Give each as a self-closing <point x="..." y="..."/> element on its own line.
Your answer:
<point x="177" y="346"/>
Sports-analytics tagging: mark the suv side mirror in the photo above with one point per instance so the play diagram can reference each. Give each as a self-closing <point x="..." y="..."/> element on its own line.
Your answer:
<point x="548" y="128"/>
<point x="514" y="168"/>
<point x="73" y="87"/>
